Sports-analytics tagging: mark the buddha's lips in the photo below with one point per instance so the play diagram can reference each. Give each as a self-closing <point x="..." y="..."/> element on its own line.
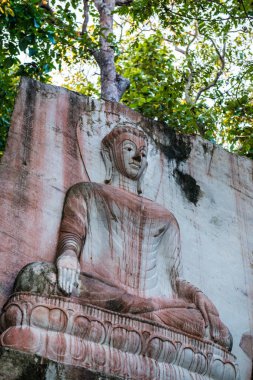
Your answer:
<point x="134" y="165"/>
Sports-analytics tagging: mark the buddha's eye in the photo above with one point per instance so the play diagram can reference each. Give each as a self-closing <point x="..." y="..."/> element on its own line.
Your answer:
<point x="129" y="149"/>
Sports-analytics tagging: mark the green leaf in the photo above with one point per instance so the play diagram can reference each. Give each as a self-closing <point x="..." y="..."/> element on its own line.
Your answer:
<point x="9" y="62"/>
<point x="36" y="23"/>
<point x="23" y="43"/>
<point x="46" y="68"/>
<point x="51" y="38"/>
<point x="32" y="52"/>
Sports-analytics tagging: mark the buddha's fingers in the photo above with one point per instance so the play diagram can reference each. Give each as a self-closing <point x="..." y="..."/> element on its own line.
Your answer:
<point x="77" y="277"/>
<point x="60" y="278"/>
<point x="64" y="273"/>
<point x="203" y="308"/>
<point x="72" y="280"/>
<point x="66" y="279"/>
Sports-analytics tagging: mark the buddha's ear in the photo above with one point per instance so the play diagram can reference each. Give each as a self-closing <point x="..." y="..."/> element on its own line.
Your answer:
<point x="141" y="180"/>
<point x="108" y="164"/>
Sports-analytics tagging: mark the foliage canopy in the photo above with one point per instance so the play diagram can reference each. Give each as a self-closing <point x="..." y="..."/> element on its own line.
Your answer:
<point x="189" y="63"/>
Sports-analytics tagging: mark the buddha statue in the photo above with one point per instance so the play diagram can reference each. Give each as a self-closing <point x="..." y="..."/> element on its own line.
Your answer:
<point x="121" y="251"/>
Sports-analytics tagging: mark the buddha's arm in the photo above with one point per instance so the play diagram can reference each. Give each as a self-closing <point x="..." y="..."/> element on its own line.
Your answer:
<point x="71" y="238"/>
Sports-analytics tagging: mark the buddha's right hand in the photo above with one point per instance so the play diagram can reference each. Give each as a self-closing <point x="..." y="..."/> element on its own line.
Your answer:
<point x="68" y="271"/>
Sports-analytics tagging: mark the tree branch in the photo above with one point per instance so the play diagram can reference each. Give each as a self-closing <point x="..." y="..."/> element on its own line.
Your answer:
<point x="219" y="72"/>
<point x="188" y="17"/>
<point x="85" y="15"/>
<point x="95" y="52"/>
<point x="188" y="85"/>
<point x="113" y="85"/>
<point x="97" y="55"/>
<point x="99" y="4"/>
<point x="122" y="84"/>
<point x="123" y="2"/>
<point x="195" y="35"/>
<point x="191" y="74"/>
<point x="245" y="11"/>
<point x="180" y="50"/>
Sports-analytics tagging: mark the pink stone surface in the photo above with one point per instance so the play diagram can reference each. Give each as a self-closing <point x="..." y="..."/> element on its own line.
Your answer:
<point x="35" y="172"/>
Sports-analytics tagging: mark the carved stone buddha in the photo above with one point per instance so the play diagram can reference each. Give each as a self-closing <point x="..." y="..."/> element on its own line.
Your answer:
<point x="121" y="252"/>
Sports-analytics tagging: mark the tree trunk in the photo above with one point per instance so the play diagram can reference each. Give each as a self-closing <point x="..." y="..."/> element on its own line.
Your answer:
<point x="113" y="85"/>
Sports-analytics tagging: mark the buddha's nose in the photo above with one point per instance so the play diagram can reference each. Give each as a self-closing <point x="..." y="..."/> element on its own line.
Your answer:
<point x="137" y="157"/>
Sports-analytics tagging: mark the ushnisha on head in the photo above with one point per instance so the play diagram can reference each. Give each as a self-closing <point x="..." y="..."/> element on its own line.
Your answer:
<point x="124" y="151"/>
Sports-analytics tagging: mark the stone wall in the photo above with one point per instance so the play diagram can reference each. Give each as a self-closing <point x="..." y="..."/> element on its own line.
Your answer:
<point x="54" y="142"/>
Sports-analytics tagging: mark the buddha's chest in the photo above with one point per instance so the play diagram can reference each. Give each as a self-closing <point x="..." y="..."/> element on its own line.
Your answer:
<point x="125" y="226"/>
<point x="124" y="241"/>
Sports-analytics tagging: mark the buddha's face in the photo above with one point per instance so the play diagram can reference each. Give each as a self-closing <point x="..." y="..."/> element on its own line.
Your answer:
<point x="130" y="155"/>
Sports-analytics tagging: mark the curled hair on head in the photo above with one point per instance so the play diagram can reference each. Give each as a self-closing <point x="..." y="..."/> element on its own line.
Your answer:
<point x="109" y="139"/>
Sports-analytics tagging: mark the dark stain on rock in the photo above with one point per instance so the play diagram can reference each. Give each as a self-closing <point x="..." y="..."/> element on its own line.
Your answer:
<point x="205" y="147"/>
<point x="74" y="113"/>
<point x="28" y="118"/>
<point x="115" y="305"/>
<point x="92" y="105"/>
<point x="31" y="372"/>
<point x="19" y="366"/>
<point x="188" y="185"/>
<point x="178" y="146"/>
<point x="27" y="131"/>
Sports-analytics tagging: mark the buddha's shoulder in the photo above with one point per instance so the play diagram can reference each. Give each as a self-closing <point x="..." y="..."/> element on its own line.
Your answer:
<point x="100" y="188"/>
<point x="85" y="187"/>
<point x="161" y="212"/>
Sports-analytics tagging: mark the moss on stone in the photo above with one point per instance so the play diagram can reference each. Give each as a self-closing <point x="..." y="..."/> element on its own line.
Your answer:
<point x="16" y="365"/>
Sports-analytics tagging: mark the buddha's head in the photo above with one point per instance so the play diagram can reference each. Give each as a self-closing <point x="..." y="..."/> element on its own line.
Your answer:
<point x="124" y="150"/>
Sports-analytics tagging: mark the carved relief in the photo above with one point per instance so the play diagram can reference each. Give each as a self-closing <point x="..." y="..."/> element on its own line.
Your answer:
<point x="111" y="342"/>
<point x="120" y="253"/>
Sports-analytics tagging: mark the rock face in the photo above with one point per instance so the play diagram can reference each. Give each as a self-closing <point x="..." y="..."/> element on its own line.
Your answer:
<point x="54" y="143"/>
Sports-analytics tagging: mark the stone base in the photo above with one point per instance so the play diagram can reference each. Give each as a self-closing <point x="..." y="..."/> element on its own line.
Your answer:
<point x="124" y="346"/>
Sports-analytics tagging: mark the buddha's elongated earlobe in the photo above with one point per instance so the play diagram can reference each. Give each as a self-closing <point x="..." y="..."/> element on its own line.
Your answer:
<point x="108" y="164"/>
<point x="141" y="180"/>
